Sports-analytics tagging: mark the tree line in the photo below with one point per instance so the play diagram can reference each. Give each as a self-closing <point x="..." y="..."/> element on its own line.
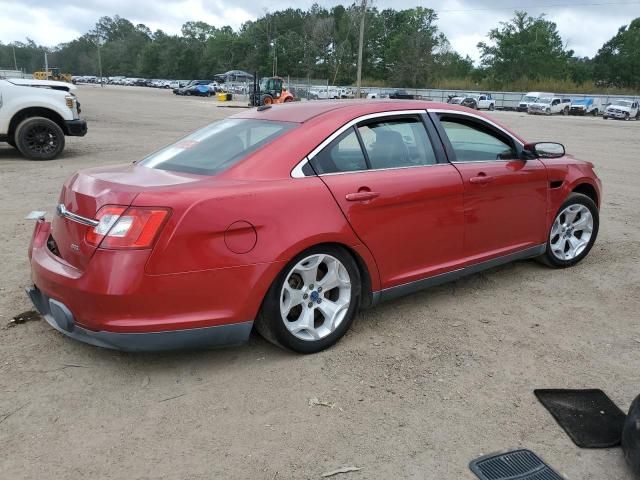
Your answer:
<point x="401" y="48"/>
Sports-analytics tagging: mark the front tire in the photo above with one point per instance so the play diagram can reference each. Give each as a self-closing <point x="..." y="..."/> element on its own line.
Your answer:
<point x="38" y="138"/>
<point x="573" y="232"/>
<point x="313" y="301"/>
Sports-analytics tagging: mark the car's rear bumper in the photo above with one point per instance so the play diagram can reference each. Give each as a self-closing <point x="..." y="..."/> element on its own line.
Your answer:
<point x="114" y="303"/>
<point x="76" y="128"/>
<point x="58" y="315"/>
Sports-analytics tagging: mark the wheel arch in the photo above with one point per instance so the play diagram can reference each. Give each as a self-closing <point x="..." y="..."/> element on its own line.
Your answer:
<point x="366" y="274"/>
<point x="35" y="112"/>
<point x="589" y="190"/>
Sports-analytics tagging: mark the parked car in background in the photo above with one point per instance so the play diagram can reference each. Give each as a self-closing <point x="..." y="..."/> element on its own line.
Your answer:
<point x="292" y="218"/>
<point x="324" y="93"/>
<point x="35" y="116"/>
<point x="531" y="98"/>
<point x="175" y="84"/>
<point x="622" y="110"/>
<point x="585" y="106"/>
<point x="476" y="101"/>
<point x="192" y="88"/>
<point x="550" y="106"/>
<point x="404" y="95"/>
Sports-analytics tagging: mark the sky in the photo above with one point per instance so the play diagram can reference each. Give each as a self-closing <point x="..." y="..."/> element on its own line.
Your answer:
<point x="584" y="24"/>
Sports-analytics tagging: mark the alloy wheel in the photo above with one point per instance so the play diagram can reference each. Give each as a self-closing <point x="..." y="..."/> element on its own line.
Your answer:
<point x="40" y="139"/>
<point x="571" y="232"/>
<point x="315" y="297"/>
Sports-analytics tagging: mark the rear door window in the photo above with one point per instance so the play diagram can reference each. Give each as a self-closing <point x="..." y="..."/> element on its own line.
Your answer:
<point x="397" y="143"/>
<point x="216" y="147"/>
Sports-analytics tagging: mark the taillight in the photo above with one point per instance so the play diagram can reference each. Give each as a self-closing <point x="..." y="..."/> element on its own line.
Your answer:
<point x="122" y="227"/>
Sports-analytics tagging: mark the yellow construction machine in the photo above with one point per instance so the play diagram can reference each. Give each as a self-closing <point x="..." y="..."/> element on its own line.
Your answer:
<point x="52" y="74"/>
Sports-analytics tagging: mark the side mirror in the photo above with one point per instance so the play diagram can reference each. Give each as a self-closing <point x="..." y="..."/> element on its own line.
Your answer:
<point x="545" y="149"/>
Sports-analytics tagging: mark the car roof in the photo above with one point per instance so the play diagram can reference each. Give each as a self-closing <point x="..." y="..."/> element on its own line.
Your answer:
<point x="300" y="112"/>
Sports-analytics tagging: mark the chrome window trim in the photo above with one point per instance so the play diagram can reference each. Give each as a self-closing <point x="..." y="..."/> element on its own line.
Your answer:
<point x="477" y="117"/>
<point x="371" y="170"/>
<point x="62" y="211"/>
<point x="297" y="170"/>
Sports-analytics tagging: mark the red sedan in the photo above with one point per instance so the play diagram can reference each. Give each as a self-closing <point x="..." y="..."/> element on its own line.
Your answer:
<point x="292" y="218"/>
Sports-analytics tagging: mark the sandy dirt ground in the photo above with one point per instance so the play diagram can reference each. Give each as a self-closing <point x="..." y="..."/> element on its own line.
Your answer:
<point x="420" y="386"/>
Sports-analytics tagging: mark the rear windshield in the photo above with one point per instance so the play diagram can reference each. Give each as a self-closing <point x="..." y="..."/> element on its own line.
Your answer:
<point x="216" y="147"/>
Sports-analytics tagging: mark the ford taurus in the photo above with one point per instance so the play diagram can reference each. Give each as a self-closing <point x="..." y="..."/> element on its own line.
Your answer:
<point x="292" y="218"/>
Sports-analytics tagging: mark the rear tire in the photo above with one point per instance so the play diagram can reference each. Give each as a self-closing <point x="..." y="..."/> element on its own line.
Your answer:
<point x="38" y="138"/>
<point x="492" y="107"/>
<point x="266" y="100"/>
<point x="297" y="314"/>
<point x="572" y="233"/>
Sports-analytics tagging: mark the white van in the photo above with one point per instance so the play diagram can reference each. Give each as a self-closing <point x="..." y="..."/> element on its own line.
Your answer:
<point x="531" y="98"/>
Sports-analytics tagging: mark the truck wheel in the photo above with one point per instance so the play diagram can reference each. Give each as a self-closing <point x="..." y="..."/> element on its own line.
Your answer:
<point x="595" y="112"/>
<point x="626" y="116"/>
<point x="565" y="112"/>
<point x="39" y="138"/>
<point x="492" y="107"/>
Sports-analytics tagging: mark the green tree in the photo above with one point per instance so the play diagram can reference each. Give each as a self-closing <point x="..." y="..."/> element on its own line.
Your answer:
<point x="524" y="47"/>
<point x="617" y="63"/>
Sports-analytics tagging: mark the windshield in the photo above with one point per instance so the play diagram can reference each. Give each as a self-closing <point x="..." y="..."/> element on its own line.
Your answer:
<point x="529" y="99"/>
<point x="622" y="103"/>
<point x="544" y="100"/>
<point x="216" y="147"/>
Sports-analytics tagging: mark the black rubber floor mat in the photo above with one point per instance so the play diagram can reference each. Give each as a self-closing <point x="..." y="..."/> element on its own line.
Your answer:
<point x="589" y="417"/>
<point x="515" y="465"/>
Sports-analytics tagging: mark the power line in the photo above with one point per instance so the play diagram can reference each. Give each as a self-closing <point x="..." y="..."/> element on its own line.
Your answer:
<point x="523" y="7"/>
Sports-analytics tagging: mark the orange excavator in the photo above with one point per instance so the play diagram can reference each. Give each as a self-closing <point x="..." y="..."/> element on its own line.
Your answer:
<point x="268" y="91"/>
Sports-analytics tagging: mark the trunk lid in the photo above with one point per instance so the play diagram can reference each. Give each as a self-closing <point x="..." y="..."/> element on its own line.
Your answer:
<point x="86" y="191"/>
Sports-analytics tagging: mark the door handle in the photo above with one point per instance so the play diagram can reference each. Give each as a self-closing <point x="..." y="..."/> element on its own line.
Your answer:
<point x="362" y="196"/>
<point x="481" y="179"/>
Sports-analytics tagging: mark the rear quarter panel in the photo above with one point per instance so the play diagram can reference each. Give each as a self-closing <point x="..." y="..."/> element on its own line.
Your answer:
<point x="280" y="218"/>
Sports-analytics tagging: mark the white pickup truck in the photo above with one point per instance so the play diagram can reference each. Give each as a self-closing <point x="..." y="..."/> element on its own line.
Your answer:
<point x="35" y="116"/>
<point x="622" y="109"/>
<point x="550" y="106"/>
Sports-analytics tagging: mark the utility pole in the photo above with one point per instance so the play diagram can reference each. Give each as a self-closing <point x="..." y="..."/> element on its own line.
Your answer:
<point x="359" y="79"/>
<point x="46" y="66"/>
<point x="100" y="63"/>
<point x="274" y="45"/>
<point x="98" y="39"/>
<point x="15" y="63"/>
